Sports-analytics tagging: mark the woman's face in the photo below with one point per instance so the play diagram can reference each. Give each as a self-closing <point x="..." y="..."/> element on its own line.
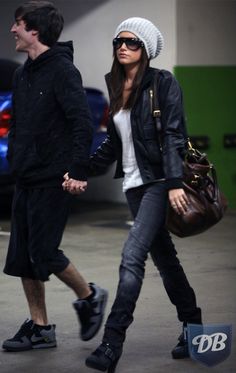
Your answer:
<point x="125" y="55"/>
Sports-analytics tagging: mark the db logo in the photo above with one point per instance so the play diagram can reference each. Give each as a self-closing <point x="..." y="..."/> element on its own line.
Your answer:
<point x="209" y="344"/>
<point x="213" y="342"/>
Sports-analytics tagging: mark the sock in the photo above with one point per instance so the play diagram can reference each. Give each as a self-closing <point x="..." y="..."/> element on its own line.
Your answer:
<point x="90" y="296"/>
<point x="40" y="327"/>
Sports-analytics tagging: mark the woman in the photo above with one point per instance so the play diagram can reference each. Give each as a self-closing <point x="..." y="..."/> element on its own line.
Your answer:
<point x="152" y="177"/>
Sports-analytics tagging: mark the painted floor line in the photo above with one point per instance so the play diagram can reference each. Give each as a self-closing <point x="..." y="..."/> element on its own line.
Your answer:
<point x="2" y="233"/>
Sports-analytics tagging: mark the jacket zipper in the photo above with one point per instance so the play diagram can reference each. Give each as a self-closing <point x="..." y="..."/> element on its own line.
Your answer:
<point x="151" y="100"/>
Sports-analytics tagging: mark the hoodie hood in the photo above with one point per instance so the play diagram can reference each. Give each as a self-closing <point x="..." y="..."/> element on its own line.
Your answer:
<point x="62" y="49"/>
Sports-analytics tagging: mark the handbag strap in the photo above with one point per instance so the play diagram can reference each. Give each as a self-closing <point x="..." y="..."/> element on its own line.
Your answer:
<point x="155" y="106"/>
<point x="156" y="113"/>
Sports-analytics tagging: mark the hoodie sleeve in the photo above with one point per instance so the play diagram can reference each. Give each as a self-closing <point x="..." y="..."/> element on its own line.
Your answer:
<point x="73" y="100"/>
<point x="12" y="130"/>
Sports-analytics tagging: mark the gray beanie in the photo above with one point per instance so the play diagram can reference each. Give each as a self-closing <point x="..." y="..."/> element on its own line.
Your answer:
<point x="146" y="32"/>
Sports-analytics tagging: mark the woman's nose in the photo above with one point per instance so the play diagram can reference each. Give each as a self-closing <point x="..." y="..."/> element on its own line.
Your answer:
<point x="123" y="45"/>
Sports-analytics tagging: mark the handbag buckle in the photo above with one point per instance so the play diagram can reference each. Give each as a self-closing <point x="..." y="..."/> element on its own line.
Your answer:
<point x="156" y="113"/>
<point x="195" y="180"/>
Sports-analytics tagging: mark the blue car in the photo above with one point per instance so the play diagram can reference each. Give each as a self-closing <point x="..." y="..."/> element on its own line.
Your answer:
<point x="97" y="102"/>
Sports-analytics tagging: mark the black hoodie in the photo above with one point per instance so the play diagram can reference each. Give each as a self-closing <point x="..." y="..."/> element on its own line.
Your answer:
<point x="51" y="130"/>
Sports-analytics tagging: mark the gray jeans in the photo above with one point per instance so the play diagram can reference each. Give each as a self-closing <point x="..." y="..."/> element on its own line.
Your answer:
<point x="148" y="205"/>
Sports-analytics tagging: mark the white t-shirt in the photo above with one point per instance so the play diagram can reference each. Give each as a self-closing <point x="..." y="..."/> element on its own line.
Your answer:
<point x="132" y="177"/>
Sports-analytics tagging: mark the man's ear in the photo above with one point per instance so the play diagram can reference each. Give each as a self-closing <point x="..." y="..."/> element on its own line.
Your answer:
<point x="34" y="32"/>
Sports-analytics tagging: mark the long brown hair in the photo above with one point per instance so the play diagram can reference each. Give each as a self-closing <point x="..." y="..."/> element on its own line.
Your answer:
<point x="117" y="83"/>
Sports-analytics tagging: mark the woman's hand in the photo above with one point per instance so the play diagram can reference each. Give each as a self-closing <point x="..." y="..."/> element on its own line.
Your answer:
<point x="178" y="200"/>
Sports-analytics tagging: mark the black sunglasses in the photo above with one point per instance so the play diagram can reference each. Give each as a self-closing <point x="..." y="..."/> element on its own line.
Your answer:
<point x="131" y="43"/>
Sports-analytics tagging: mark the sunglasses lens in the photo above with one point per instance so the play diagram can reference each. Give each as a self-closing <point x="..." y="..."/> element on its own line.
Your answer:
<point x="117" y="43"/>
<point x="131" y="43"/>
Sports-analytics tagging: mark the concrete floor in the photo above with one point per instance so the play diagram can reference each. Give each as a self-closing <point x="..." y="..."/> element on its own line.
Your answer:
<point x="93" y="241"/>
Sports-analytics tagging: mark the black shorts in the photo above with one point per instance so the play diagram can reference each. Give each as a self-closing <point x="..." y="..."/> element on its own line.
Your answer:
<point x="38" y="221"/>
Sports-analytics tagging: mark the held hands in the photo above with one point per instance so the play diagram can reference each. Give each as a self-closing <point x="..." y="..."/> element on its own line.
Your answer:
<point x="73" y="186"/>
<point x="178" y="200"/>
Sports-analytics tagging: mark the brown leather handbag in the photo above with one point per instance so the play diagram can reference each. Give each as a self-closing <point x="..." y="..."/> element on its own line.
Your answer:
<point x="207" y="204"/>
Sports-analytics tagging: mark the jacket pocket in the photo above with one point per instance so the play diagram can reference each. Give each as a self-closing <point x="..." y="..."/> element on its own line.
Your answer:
<point x="151" y="143"/>
<point x="45" y="147"/>
<point x="25" y="158"/>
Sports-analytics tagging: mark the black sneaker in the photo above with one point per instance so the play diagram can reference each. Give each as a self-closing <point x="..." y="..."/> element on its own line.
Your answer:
<point x="91" y="312"/>
<point x="180" y="351"/>
<point x="31" y="336"/>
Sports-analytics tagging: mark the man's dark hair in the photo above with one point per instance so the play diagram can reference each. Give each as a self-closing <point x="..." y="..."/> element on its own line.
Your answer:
<point x="44" y="17"/>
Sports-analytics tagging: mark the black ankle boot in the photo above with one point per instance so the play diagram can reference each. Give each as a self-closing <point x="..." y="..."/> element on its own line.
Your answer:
<point x="104" y="358"/>
<point x="180" y="351"/>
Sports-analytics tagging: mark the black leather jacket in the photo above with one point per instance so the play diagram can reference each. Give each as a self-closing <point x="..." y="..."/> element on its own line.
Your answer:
<point x="155" y="161"/>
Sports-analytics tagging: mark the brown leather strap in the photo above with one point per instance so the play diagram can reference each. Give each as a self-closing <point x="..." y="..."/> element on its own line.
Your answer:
<point x="156" y="111"/>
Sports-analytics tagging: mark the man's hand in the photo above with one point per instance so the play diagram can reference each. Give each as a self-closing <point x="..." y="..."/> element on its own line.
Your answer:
<point x="73" y="186"/>
<point x="178" y="200"/>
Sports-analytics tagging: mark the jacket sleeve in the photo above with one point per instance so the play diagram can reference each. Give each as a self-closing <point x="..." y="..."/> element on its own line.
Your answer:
<point x="72" y="98"/>
<point x="104" y="156"/>
<point x="173" y="130"/>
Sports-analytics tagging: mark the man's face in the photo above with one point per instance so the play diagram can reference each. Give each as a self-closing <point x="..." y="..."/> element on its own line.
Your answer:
<point x="25" y="40"/>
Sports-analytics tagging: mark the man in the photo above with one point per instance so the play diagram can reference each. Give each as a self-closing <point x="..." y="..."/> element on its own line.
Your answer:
<point x="50" y="136"/>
